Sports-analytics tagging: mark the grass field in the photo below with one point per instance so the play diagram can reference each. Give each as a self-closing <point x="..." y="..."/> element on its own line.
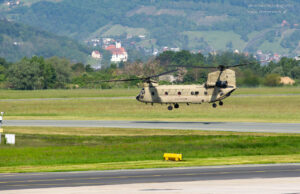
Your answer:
<point x="80" y="93"/>
<point x="77" y="93"/>
<point x="42" y="149"/>
<point x="66" y="149"/>
<point x="245" y="109"/>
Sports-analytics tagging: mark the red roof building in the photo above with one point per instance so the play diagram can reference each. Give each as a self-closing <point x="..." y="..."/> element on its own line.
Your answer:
<point x="118" y="53"/>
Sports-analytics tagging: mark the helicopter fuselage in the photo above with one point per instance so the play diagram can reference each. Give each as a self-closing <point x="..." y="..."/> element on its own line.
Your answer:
<point x="191" y="94"/>
<point x="219" y="85"/>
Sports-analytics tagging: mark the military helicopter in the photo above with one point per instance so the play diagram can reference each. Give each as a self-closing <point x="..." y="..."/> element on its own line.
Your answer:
<point x="219" y="85"/>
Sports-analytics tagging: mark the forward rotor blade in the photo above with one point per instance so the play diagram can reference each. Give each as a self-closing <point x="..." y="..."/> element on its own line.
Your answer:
<point x="238" y="65"/>
<point x="164" y="73"/>
<point x="140" y="79"/>
<point x="192" y="66"/>
<point x="122" y="80"/>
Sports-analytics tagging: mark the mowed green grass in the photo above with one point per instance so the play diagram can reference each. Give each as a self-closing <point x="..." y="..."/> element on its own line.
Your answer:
<point x="51" y="152"/>
<point x="244" y="109"/>
<point x="76" y="93"/>
<point x="121" y="92"/>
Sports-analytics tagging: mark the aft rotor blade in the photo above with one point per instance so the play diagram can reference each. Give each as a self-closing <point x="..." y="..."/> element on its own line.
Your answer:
<point x="221" y="67"/>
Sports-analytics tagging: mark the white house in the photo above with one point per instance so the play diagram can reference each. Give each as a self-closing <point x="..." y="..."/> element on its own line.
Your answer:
<point x="96" y="55"/>
<point x="118" y="53"/>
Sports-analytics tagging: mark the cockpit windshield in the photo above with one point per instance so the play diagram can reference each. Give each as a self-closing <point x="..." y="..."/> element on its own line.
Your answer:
<point x="142" y="91"/>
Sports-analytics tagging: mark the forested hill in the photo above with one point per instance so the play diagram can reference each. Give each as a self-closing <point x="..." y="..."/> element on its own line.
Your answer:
<point x="18" y="41"/>
<point x="249" y="25"/>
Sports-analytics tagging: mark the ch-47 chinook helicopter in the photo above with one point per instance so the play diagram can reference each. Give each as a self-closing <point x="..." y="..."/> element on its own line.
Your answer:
<point x="219" y="85"/>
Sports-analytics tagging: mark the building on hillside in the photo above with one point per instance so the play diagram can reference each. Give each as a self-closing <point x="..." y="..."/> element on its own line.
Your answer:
<point x="175" y="49"/>
<point x="119" y="53"/>
<point x="287" y="81"/>
<point x="96" y="55"/>
<point x="108" y="41"/>
<point x="297" y="58"/>
<point x="12" y="3"/>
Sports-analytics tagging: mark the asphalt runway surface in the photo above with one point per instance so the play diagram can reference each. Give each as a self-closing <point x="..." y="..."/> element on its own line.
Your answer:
<point x="92" y="178"/>
<point x="207" y="126"/>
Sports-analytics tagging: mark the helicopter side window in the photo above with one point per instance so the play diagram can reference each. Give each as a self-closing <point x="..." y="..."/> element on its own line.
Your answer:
<point x="205" y="93"/>
<point x="152" y="93"/>
<point x="166" y="93"/>
<point x="179" y="93"/>
<point x="196" y="93"/>
<point x="192" y="93"/>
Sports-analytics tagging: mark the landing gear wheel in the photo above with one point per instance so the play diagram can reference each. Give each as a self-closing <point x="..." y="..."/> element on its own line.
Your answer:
<point x="214" y="105"/>
<point x="170" y="107"/>
<point x="221" y="103"/>
<point x="176" y="105"/>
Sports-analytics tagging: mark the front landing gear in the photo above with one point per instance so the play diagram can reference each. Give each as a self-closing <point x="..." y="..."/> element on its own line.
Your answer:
<point x="176" y="105"/>
<point x="170" y="107"/>
<point x="214" y="105"/>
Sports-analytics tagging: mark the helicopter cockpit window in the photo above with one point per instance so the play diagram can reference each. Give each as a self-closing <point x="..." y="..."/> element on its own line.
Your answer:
<point x="142" y="91"/>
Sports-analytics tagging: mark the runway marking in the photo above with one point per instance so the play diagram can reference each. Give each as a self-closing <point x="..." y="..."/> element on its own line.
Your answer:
<point x="12" y="183"/>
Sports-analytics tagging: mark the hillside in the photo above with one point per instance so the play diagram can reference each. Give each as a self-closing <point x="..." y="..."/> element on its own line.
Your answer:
<point x="206" y="25"/>
<point x="18" y="41"/>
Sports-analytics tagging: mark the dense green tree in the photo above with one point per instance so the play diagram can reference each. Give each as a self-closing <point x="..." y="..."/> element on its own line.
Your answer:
<point x="295" y="72"/>
<point x="25" y="75"/>
<point x="166" y="58"/>
<point x="278" y="70"/>
<point x="88" y="68"/>
<point x="250" y="79"/>
<point x="63" y="70"/>
<point x="272" y="80"/>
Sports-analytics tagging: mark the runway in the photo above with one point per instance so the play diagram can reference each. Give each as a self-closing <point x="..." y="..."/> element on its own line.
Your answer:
<point x="207" y="126"/>
<point x="92" y="178"/>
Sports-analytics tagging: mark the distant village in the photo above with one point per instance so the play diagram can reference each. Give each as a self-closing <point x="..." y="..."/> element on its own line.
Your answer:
<point x="117" y="48"/>
<point x="119" y="53"/>
<point x="13" y="3"/>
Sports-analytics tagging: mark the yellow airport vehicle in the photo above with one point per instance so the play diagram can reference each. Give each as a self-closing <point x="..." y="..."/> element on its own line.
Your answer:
<point x="172" y="156"/>
<point x="1" y="130"/>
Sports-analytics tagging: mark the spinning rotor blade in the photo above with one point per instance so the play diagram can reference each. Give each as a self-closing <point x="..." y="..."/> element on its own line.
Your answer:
<point x="220" y="67"/>
<point x="142" y="78"/>
<point x="122" y="80"/>
<point x="192" y="66"/>
<point x="164" y="73"/>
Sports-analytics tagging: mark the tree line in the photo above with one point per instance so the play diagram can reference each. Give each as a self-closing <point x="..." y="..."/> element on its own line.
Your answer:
<point x="52" y="73"/>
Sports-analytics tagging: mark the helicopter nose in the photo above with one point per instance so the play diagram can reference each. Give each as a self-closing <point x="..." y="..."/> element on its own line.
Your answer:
<point x="138" y="98"/>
